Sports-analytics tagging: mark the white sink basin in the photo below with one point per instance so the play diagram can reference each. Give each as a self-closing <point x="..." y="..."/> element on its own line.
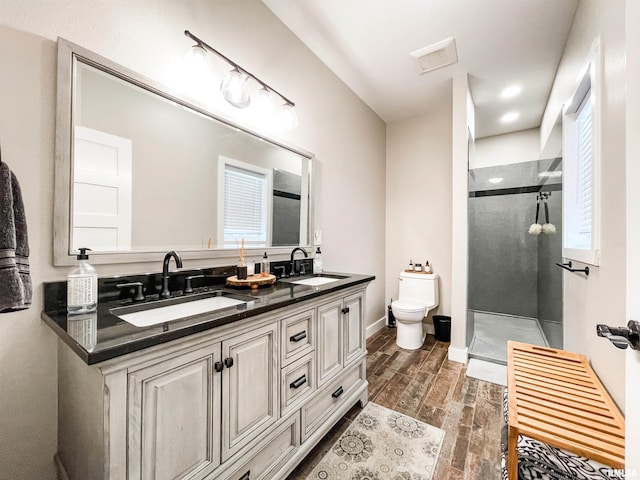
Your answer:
<point x="314" y="281"/>
<point x="157" y="315"/>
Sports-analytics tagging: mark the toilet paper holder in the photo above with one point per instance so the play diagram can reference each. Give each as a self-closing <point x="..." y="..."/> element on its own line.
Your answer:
<point x="621" y="337"/>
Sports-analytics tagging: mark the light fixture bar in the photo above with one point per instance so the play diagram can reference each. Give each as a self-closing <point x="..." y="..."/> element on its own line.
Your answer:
<point x="208" y="47"/>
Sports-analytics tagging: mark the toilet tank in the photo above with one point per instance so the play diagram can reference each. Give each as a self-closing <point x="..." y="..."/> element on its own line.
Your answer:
<point x="419" y="286"/>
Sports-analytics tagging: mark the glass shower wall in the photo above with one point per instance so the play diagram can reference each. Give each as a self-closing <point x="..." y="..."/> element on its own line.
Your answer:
<point x="550" y="253"/>
<point x="511" y="272"/>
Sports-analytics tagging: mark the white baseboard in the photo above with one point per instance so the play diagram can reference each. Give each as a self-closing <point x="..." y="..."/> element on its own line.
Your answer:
<point x="458" y="355"/>
<point x="378" y="325"/>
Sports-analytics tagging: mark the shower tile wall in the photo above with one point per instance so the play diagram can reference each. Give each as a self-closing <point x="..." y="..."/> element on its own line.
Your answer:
<point x="511" y="271"/>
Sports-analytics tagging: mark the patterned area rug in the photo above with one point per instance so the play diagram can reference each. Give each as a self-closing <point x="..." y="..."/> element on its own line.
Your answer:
<point x="381" y="444"/>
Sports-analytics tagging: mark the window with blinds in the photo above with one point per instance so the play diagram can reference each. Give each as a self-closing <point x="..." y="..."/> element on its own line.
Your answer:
<point x="580" y="200"/>
<point x="584" y="150"/>
<point x="245" y="215"/>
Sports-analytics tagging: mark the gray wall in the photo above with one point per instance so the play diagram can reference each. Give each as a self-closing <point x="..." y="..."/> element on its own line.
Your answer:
<point x="511" y="271"/>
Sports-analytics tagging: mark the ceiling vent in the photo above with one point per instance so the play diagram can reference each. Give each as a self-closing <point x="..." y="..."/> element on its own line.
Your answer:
<point x="436" y="56"/>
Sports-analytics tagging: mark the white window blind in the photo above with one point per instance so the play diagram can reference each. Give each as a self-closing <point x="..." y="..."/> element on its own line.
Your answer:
<point x="584" y="125"/>
<point x="244" y="205"/>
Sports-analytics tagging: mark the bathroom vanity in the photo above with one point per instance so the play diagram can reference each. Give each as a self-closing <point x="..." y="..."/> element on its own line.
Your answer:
<point x="242" y="392"/>
<point x="213" y="382"/>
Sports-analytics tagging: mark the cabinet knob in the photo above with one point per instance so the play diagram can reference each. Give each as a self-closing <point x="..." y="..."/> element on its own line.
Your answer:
<point x="338" y="392"/>
<point x="228" y="362"/>
<point x="345" y="310"/>
<point x="218" y="366"/>
<point x="299" y="382"/>
<point x="298" y="336"/>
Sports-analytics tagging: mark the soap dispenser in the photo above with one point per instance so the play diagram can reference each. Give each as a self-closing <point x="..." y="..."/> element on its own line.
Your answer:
<point x="317" y="261"/>
<point x="264" y="266"/>
<point x="82" y="285"/>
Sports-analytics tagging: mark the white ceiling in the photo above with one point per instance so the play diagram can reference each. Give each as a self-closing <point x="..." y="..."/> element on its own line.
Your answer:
<point x="499" y="43"/>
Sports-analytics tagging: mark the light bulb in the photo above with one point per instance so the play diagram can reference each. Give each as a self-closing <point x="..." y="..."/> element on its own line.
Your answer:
<point x="198" y="53"/>
<point x="288" y="116"/>
<point x="234" y="89"/>
<point x="263" y="102"/>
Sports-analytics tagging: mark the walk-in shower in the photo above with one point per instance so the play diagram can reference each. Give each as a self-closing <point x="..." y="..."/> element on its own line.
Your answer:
<point x="515" y="239"/>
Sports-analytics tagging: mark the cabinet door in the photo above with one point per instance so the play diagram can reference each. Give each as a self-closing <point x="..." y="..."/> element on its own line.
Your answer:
<point x="329" y="348"/>
<point x="173" y="418"/>
<point x="250" y="386"/>
<point x="354" y="342"/>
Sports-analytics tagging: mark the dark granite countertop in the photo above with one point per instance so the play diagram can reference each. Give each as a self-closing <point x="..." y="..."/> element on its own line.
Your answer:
<point x="102" y="335"/>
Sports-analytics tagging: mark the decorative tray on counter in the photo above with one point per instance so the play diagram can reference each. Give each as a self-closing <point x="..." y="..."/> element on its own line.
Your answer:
<point x="253" y="281"/>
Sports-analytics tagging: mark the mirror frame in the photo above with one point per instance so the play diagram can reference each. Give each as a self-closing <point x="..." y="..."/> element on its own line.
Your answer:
<point x="68" y="54"/>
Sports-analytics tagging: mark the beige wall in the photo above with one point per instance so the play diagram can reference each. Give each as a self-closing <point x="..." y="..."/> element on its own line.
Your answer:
<point x="600" y="297"/>
<point x="146" y="35"/>
<point x="419" y="199"/>
<point x="516" y="147"/>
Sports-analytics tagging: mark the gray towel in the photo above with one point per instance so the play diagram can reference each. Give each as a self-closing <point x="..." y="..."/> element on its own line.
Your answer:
<point x="15" y="281"/>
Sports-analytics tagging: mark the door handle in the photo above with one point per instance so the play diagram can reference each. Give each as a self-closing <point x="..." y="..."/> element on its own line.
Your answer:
<point x="621" y="337"/>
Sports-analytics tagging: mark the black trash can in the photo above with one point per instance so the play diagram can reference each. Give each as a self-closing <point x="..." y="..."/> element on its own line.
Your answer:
<point x="391" y="319"/>
<point x="442" y="326"/>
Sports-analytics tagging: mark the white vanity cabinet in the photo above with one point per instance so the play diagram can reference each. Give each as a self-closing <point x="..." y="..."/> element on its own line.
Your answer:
<point x="175" y="406"/>
<point x="341" y="338"/>
<point x="241" y="401"/>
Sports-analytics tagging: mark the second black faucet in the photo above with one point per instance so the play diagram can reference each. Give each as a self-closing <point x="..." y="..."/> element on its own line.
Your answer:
<point x="164" y="292"/>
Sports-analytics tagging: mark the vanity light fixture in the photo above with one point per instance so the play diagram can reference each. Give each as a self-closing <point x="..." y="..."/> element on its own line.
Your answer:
<point x="234" y="86"/>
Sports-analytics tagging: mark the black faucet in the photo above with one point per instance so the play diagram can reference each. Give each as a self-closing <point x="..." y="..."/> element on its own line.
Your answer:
<point x="293" y="252"/>
<point x="165" y="293"/>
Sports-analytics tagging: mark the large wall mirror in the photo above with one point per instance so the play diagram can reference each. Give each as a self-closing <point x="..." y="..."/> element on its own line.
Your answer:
<point x="140" y="170"/>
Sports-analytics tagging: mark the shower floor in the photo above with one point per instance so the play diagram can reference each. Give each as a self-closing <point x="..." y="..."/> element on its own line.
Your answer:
<point x="491" y="331"/>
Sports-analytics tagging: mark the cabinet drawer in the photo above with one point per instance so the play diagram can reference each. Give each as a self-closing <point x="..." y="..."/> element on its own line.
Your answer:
<point x="298" y="337"/>
<point x="331" y="397"/>
<point x="272" y="452"/>
<point x="298" y="381"/>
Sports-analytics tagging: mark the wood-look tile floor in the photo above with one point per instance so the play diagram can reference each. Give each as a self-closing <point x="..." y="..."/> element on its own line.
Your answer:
<point x="426" y="385"/>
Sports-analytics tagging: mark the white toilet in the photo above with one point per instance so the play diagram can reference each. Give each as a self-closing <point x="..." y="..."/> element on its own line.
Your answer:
<point x="418" y="294"/>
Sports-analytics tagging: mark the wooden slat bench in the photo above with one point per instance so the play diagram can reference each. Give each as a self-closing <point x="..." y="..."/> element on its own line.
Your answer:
<point x="555" y="397"/>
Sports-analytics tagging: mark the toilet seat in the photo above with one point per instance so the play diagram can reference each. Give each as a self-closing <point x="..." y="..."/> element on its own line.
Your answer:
<point x="408" y="306"/>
